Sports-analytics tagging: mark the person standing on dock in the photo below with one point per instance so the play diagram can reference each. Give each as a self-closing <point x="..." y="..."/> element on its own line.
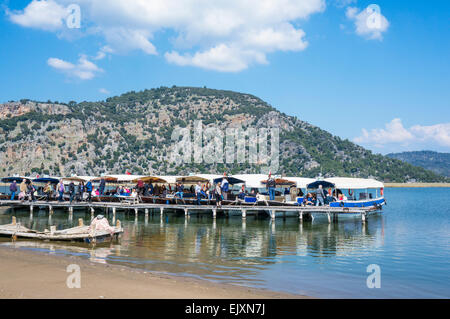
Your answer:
<point x="30" y="191"/>
<point x="271" y="184"/>
<point x="23" y="189"/>
<point x="89" y="191"/>
<point x="101" y="187"/>
<point x="320" y="196"/>
<point x="13" y="189"/>
<point x="80" y="191"/>
<point x="225" y="186"/>
<point x="72" y="191"/>
<point x="48" y="191"/>
<point x="218" y="194"/>
<point x="60" y="188"/>
<point x="198" y="192"/>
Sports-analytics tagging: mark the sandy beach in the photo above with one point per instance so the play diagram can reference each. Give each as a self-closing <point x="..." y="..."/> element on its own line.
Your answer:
<point x="28" y="274"/>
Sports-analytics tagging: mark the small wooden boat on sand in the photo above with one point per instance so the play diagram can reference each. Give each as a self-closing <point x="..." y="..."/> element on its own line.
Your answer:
<point x="81" y="233"/>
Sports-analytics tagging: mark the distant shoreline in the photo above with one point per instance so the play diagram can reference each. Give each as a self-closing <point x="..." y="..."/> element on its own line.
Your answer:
<point x="416" y="185"/>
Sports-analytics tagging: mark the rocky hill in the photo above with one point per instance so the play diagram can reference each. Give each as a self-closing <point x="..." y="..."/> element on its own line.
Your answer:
<point x="133" y="132"/>
<point x="434" y="161"/>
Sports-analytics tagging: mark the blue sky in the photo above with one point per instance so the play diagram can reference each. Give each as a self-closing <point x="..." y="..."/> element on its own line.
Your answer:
<point x="385" y="88"/>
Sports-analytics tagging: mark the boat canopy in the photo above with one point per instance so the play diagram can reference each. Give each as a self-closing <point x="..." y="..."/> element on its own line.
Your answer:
<point x="192" y="179"/>
<point x="281" y="182"/>
<point x="169" y="179"/>
<point x="324" y="183"/>
<point x="124" y="178"/>
<point x="52" y="180"/>
<point x="301" y="182"/>
<point x="231" y="180"/>
<point x="354" y="183"/>
<point x="78" y="178"/>
<point x="150" y="179"/>
<point x="252" y="180"/>
<point x="18" y="179"/>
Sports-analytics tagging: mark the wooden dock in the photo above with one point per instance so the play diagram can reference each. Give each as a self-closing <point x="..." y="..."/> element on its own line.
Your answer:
<point x="331" y="212"/>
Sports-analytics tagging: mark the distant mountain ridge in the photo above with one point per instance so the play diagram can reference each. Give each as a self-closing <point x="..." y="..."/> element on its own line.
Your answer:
<point x="133" y="132"/>
<point x="434" y="161"/>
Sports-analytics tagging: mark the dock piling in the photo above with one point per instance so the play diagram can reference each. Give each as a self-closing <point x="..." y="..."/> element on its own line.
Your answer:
<point x="80" y="222"/>
<point x="363" y="217"/>
<point x="214" y="212"/>
<point x="300" y="216"/>
<point x="272" y="214"/>
<point x="244" y="213"/>
<point x="50" y="210"/>
<point x="161" y="210"/>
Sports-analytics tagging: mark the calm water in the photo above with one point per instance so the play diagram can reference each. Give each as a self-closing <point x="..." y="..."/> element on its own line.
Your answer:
<point x="409" y="241"/>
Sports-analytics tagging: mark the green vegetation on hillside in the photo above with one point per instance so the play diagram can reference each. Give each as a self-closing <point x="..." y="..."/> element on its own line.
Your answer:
<point x="133" y="131"/>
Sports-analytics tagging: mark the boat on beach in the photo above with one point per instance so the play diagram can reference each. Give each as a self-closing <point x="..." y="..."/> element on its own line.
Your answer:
<point x="81" y="233"/>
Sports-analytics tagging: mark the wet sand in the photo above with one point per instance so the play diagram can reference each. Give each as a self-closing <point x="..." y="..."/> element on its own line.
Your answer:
<point x="29" y="274"/>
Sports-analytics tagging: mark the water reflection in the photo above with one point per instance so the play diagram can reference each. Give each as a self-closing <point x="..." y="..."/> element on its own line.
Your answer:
<point x="228" y="249"/>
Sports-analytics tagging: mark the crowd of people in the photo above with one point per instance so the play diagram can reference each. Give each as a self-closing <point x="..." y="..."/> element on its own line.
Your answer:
<point x="219" y="192"/>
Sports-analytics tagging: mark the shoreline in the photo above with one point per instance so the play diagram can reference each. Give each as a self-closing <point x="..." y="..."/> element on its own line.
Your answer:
<point x="411" y="185"/>
<point x="30" y="274"/>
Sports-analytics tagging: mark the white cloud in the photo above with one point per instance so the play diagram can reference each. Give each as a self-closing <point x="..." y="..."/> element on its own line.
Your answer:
<point x="104" y="91"/>
<point x="395" y="133"/>
<point x="45" y="15"/>
<point x="219" y="35"/>
<point x="369" y="23"/>
<point x="83" y="70"/>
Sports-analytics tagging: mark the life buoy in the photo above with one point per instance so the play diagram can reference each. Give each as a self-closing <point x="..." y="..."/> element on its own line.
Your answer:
<point x="350" y="192"/>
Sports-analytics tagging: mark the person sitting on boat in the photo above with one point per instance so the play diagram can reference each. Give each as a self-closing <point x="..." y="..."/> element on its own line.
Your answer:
<point x="179" y="190"/>
<point x="163" y="191"/>
<point x="329" y="197"/>
<point x="204" y="190"/>
<point x="151" y="189"/>
<point x="320" y="196"/>
<point x="100" y="223"/>
<point x="146" y="189"/>
<point x="308" y="200"/>
<point x="134" y="193"/>
<point x="242" y="193"/>
<point x="140" y="187"/>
